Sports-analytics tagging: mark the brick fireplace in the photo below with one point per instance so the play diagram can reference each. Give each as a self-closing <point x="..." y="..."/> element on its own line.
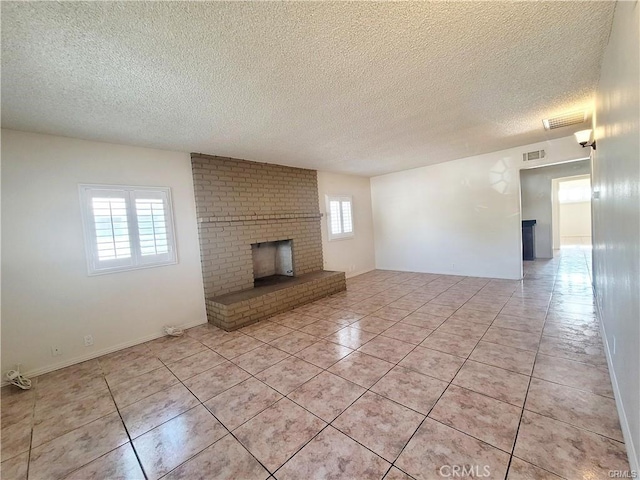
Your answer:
<point x="258" y="217"/>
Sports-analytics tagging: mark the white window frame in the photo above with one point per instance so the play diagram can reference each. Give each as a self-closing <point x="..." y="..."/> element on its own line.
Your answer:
<point x="342" y="235"/>
<point x="137" y="260"/>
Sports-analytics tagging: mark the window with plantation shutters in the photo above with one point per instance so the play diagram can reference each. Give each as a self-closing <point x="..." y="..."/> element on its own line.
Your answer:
<point x="339" y="217"/>
<point x="127" y="227"/>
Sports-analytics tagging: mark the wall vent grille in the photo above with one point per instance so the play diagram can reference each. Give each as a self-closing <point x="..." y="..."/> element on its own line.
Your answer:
<point x="535" y="155"/>
<point x="565" y="120"/>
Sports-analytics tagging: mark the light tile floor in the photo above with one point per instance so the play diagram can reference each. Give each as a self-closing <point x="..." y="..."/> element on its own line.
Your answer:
<point x="405" y="375"/>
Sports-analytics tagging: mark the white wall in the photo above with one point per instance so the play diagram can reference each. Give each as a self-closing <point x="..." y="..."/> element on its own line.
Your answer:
<point x="354" y="255"/>
<point x="575" y="222"/>
<point x="47" y="297"/>
<point x="460" y="217"/>
<point x="616" y="216"/>
<point x="536" y="196"/>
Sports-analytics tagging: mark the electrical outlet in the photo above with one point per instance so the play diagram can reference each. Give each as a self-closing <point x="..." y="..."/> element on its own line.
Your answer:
<point x="88" y="340"/>
<point x="55" y="350"/>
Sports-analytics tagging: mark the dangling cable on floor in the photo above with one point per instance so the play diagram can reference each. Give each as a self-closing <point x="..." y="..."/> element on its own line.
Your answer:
<point x="16" y="378"/>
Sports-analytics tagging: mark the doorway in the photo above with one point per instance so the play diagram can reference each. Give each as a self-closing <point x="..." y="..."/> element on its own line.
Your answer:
<point x="571" y="211"/>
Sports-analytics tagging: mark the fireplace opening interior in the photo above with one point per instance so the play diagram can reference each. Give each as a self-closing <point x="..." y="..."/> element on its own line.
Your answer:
<point x="272" y="262"/>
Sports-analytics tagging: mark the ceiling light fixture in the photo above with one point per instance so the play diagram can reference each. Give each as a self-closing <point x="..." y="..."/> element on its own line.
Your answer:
<point x="583" y="137"/>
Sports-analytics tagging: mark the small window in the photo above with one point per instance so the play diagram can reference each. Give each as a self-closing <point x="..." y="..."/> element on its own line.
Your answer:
<point x="339" y="217"/>
<point x="127" y="228"/>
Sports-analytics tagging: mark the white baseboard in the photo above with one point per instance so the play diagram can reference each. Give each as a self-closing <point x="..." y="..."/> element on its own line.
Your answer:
<point x="98" y="353"/>
<point x="634" y="462"/>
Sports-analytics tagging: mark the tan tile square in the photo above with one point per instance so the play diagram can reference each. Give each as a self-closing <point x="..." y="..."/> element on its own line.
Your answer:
<point x="215" y="380"/>
<point x="171" y="349"/>
<point x="15" y="468"/>
<point x="137" y="388"/>
<point x="410" y="388"/>
<point x="578" y="330"/>
<point x="51" y="423"/>
<point x="518" y="323"/>
<point x="410" y="304"/>
<point x="326" y="395"/>
<point x="463" y="328"/>
<point x="277" y="433"/>
<point x="59" y="380"/>
<point x="16" y="439"/>
<point x="203" y="330"/>
<point x="407" y="333"/>
<point x="288" y="375"/>
<point x="468" y="315"/>
<point x="236" y="347"/>
<point x="294" y="342"/>
<point x="321" y="328"/>
<point x="386" y="348"/>
<point x="345" y="317"/>
<point x="579" y="408"/>
<point x="119" y="355"/>
<point x="167" y="446"/>
<point x="589" y="350"/>
<point x="487" y="306"/>
<point x="271" y="332"/>
<point x="195" y="364"/>
<point x="324" y="354"/>
<point x="362" y="369"/>
<point x="351" y="337"/>
<point x="373" y="324"/>
<point x="295" y="320"/>
<point x="435" y="446"/>
<point x="423" y="320"/>
<point x="504" y="385"/>
<point x="535" y="313"/>
<point x="509" y="358"/>
<point x="450" y="343"/>
<point x="235" y="406"/>
<point x="521" y="470"/>
<point x="393" y="314"/>
<point x="227" y="458"/>
<point x="129" y="366"/>
<point x="437" y="309"/>
<point x="61" y="456"/>
<point x="567" y="451"/>
<point x="574" y="374"/>
<point x="260" y="359"/>
<point x="433" y="363"/>
<point x="119" y="463"/>
<point x="512" y="338"/>
<point x="256" y="326"/>
<point x="366" y="307"/>
<point x="155" y="409"/>
<point x="379" y="424"/>
<point x="485" y="418"/>
<point x="333" y="455"/>
<point x="216" y="339"/>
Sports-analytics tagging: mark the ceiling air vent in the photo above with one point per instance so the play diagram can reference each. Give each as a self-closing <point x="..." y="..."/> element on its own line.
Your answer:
<point x="535" y="155"/>
<point x="565" y="120"/>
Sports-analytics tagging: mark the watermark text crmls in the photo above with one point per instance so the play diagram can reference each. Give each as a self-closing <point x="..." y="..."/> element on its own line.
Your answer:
<point x="465" y="471"/>
<point x="623" y="474"/>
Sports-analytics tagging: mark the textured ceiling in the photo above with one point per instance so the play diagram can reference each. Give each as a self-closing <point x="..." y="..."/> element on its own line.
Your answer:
<point x="354" y="87"/>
